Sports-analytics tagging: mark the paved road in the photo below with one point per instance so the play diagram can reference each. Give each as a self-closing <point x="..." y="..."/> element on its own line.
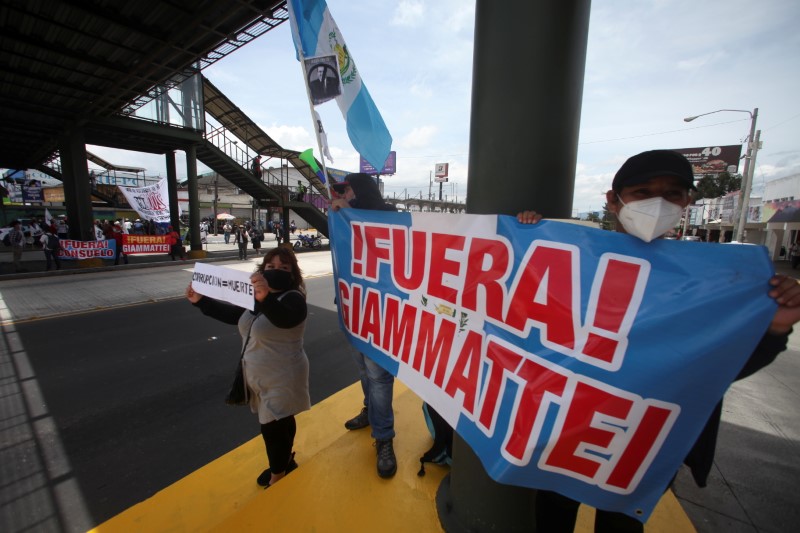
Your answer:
<point x="116" y="390"/>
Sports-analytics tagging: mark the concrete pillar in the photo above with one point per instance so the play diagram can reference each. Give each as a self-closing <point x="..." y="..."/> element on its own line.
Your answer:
<point x="196" y="251"/>
<point x="77" y="189"/>
<point x="285" y="225"/>
<point x="172" y="191"/>
<point x="527" y="88"/>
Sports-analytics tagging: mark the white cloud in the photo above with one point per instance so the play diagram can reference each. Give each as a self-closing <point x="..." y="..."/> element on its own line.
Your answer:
<point x="418" y="138"/>
<point x="409" y="13"/>
<point x="699" y="62"/>
<point x="293" y="137"/>
<point x="421" y="90"/>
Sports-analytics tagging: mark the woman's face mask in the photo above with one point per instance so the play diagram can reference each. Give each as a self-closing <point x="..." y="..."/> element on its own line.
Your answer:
<point x="649" y="219"/>
<point x="277" y="279"/>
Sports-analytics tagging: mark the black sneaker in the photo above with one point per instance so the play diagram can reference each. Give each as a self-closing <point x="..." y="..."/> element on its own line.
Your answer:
<point x="263" y="479"/>
<point x="361" y="420"/>
<point x="387" y="463"/>
<point x="266" y="475"/>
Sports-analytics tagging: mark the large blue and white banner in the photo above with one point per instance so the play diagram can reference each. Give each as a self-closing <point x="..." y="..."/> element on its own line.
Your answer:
<point x="568" y="358"/>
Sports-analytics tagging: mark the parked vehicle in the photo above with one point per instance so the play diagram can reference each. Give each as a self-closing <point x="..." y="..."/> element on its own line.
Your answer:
<point x="307" y="241"/>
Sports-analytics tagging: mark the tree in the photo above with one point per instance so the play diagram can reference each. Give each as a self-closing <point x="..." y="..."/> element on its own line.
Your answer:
<point x="714" y="186"/>
<point x="609" y="221"/>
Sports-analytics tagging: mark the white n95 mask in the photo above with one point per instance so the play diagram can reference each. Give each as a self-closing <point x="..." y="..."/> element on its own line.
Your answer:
<point x="649" y="219"/>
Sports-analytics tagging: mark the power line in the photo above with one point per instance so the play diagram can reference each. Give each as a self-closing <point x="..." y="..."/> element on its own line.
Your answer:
<point x="781" y="123"/>
<point x="663" y="132"/>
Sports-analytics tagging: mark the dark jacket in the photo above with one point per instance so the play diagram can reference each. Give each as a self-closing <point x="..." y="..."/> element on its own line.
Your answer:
<point x="368" y="195"/>
<point x="701" y="456"/>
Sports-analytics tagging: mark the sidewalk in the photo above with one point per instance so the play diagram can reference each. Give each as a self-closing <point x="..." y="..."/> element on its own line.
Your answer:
<point x="34" y="263"/>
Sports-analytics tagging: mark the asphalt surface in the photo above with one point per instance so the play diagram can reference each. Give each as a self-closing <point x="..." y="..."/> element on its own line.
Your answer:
<point x="753" y="486"/>
<point x="113" y="388"/>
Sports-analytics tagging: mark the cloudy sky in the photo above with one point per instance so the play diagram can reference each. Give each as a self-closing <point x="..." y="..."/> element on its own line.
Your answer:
<point x="649" y="64"/>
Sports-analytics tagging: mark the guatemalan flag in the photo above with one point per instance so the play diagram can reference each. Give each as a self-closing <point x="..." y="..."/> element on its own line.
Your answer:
<point x="315" y="34"/>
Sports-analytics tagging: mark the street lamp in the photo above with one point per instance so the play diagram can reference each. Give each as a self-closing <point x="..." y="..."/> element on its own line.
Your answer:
<point x="753" y="141"/>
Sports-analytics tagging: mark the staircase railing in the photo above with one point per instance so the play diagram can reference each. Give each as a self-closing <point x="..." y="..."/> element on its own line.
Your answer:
<point x="230" y="145"/>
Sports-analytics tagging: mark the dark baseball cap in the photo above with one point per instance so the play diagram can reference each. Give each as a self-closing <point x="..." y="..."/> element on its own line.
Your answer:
<point x="340" y="186"/>
<point x="647" y="165"/>
<point x="358" y="181"/>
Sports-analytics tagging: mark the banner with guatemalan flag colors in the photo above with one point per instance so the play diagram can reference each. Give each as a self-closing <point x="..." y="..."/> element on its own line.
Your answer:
<point x="315" y="34"/>
<point x="567" y="357"/>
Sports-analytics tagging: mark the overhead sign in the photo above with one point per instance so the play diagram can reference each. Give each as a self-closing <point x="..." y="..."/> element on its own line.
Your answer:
<point x="440" y="172"/>
<point x="713" y="159"/>
<point x="389" y="166"/>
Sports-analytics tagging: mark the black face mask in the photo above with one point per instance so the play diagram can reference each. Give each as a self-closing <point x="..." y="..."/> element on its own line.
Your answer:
<point x="280" y="280"/>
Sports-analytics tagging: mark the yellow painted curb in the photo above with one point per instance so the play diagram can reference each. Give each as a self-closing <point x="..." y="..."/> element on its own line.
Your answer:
<point x="335" y="489"/>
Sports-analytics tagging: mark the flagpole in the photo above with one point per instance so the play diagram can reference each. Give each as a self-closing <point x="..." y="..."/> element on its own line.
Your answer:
<point x="316" y="126"/>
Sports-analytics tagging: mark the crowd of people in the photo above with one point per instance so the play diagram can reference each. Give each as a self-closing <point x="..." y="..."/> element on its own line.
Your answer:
<point x="37" y="233"/>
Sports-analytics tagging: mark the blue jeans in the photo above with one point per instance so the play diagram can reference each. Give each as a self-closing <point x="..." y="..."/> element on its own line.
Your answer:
<point x="378" y="385"/>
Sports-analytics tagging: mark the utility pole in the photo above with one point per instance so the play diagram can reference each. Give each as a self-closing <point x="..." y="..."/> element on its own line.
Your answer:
<point x="740" y="220"/>
<point x="752" y="151"/>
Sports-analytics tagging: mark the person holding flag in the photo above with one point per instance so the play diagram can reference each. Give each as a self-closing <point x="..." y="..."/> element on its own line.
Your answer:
<point x="361" y="192"/>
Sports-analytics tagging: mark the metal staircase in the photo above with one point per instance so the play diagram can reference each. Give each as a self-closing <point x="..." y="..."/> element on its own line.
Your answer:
<point x="266" y="194"/>
<point x="229" y="150"/>
<point x="52" y="168"/>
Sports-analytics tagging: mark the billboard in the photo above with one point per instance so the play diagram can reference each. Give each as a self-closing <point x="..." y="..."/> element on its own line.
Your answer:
<point x="713" y="159"/>
<point x="389" y="166"/>
<point x="440" y="171"/>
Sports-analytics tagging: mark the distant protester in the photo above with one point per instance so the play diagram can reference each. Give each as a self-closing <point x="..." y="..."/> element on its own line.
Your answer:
<point x="16" y="240"/>
<point x="175" y="244"/>
<point x="51" y="246"/>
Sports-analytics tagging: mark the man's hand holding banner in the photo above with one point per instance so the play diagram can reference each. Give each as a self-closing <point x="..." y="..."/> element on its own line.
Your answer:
<point x="569" y="358"/>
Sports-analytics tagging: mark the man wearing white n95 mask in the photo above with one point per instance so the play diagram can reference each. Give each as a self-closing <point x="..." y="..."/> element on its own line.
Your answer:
<point x="649" y="193"/>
